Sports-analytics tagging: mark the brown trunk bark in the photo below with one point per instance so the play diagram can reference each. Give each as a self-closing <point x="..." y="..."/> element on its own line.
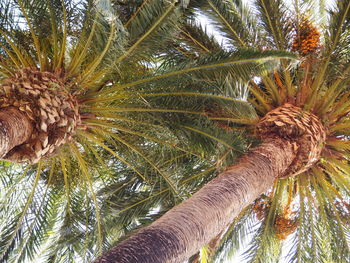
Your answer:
<point x="15" y="129"/>
<point x="183" y="230"/>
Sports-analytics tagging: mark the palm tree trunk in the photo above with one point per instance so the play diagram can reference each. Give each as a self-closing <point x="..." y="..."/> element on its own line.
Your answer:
<point x="15" y="129"/>
<point x="183" y="230"/>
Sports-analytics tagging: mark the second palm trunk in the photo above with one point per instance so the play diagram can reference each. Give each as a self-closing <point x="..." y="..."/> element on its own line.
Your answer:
<point x="185" y="229"/>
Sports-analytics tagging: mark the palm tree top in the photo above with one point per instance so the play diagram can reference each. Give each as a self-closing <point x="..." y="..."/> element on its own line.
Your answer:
<point x="85" y="76"/>
<point x="109" y="66"/>
<point x="306" y="102"/>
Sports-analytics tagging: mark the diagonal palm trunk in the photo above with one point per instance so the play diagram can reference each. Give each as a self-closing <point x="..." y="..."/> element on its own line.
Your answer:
<point x="183" y="230"/>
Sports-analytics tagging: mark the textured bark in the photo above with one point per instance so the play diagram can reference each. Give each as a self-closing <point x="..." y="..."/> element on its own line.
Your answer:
<point x="300" y="127"/>
<point x="15" y="129"/>
<point x="183" y="230"/>
<point x="53" y="110"/>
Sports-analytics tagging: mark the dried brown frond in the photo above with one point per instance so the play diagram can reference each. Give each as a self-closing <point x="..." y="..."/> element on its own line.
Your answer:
<point x="260" y="207"/>
<point x="284" y="226"/>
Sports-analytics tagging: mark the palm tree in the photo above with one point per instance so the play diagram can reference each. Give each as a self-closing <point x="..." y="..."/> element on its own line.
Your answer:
<point x="85" y="124"/>
<point x="302" y="161"/>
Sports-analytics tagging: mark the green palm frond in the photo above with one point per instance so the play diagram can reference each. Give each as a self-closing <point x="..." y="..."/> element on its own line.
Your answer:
<point x="236" y="236"/>
<point x="275" y="19"/>
<point x="237" y="21"/>
<point x="197" y="39"/>
<point x="155" y="21"/>
<point x="265" y="244"/>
